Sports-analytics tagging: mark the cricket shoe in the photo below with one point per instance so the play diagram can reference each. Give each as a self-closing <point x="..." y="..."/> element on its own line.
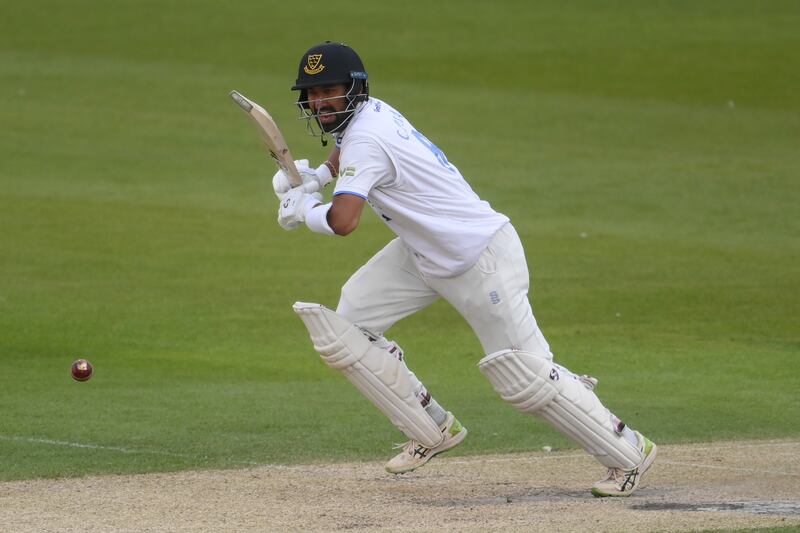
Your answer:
<point x="621" y="482"/>
<point x="415" y="454"/>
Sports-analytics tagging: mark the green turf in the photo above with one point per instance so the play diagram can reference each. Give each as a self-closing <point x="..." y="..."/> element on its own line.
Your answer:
<point x="646" y="152"/>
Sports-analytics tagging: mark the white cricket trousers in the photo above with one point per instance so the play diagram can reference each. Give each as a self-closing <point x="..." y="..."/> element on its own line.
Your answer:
<point x="492" y="295"/>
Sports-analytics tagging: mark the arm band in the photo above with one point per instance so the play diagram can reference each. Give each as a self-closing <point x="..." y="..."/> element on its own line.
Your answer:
<point x="330" y="168"/>
<point x="317" y="219"/>
<point x="325" y="174"/>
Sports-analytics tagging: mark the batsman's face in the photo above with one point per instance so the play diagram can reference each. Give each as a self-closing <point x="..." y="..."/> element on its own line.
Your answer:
<point x="326" y="101"/>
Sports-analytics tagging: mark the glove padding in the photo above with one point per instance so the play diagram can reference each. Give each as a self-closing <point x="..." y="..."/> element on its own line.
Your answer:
<point x="314" y="179"/>
<point x="294" y="206"/>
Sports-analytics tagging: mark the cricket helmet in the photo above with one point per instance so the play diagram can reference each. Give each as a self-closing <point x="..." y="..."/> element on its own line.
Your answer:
<point x="332" y="63"/>
<point x="329" y="63"/>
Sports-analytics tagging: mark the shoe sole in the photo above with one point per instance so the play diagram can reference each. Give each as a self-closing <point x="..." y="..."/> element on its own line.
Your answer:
<point x="457" y="438"/>
<point x="646" y="464"/>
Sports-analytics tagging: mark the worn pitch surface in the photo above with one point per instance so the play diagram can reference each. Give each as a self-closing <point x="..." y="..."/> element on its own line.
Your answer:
<point x="691" y="487"/>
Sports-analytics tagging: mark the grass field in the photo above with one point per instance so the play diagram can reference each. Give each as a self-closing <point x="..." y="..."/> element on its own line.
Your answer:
<point x="647" y="154"/>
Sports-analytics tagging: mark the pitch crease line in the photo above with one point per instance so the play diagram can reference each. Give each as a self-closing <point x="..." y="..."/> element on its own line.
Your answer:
<point x="119" y="449"/>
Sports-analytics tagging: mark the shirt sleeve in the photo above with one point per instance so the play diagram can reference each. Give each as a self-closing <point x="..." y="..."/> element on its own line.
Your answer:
<point x="363" y="164"/>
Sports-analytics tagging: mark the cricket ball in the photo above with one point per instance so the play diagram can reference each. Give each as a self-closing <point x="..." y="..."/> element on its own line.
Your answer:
<point x="81" y="370"/>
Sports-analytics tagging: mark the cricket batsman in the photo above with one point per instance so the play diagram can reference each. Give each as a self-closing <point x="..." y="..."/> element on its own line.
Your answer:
<point x="450" y="244"/>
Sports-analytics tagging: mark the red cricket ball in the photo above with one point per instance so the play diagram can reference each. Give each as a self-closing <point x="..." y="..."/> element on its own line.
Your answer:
<point x="81" y="370"/>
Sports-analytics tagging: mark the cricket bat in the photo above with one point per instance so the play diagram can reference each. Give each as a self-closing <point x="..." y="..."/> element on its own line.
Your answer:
<point x="272" y="136"/>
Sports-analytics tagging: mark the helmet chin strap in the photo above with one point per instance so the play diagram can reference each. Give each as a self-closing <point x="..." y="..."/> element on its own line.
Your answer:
<point x="338" y="127"/>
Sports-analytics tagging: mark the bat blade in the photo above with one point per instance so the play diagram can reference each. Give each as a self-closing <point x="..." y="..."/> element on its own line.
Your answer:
<point x="243" y="102"/>
<point x="271" y="135"/>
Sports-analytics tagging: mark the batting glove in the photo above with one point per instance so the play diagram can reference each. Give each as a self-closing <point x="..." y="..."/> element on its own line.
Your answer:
<point x="294" y="206"/>
<point x="314" y="179"/>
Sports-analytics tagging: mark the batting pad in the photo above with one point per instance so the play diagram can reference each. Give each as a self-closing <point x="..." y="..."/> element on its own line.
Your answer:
<point x="374" y="371"/>
<point x="536" y="385"/>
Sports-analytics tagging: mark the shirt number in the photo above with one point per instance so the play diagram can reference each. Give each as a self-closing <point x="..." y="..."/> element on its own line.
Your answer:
<point x="434" y="150"/>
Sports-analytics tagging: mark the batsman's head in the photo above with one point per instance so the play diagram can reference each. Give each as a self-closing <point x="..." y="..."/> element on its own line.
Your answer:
<point x="332" y="80"/>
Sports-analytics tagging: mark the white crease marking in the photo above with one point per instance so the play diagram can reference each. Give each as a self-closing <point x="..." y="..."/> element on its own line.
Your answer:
<point x="119" y="449"/>
<point x="465" y="461"/>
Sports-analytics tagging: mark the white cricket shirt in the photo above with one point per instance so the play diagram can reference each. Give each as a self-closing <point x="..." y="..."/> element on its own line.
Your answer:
<point x="415" y="190"/>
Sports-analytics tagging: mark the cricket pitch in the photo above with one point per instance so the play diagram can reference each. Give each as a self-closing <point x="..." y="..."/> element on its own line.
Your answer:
<point x="726" y="485"/>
